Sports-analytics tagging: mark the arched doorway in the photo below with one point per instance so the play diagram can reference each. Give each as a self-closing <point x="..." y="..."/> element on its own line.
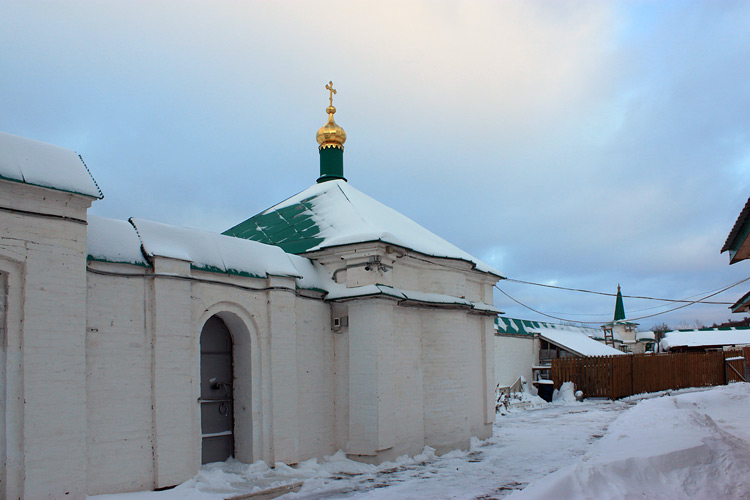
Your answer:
<point x="217" y="396"/>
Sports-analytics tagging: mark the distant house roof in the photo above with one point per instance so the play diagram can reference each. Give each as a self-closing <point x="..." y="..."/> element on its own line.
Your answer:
<point x="334" y="213"/>
<point x="738" y="243"/>
<point x="742" y="305"/>
<point x="645" y="336"/>
<point x="706" y="337"/>
<point x="619" y="322"/>
<point x="33" y="162"/>
<point x="577" y="342"/>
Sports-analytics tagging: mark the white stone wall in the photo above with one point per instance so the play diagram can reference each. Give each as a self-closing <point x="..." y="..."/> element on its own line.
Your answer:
<point x="481" y="375"/>
<point x="143" y="352"/>
<point x="42" y="251"/>
<point x="514" y="357"/>
<point x="446" y="393"/>
<point x="371" y="378"/>
<point x="429" y="368"/>
<point x="409" y="382"/>
<point x="119" y="394"/>
<point x="316" y="380"/>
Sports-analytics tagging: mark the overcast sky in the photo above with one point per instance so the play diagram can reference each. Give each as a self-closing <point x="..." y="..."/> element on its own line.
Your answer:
<point x="581" y="144"/>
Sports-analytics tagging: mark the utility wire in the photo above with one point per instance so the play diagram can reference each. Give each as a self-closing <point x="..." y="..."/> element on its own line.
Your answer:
<point x="633" y="319"/>
<point x="611" y="294"/>
<point x="658" y="306"/>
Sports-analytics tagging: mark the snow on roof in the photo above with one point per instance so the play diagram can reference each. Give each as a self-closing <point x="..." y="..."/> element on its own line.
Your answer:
<point x="333" y="213"/>
<point x="213" y="251"/>
<point x="311" y="275"/>
<point x="117" y="241"/>
<point x="706" y="337"/>
<point x="577" y="342"/>
<point x="645" y="335"/>
<point x="341" y="292"/>
<point x="527" y="327"/>
<point x="41" y="164"/>
<point x="619" y="322"/>
<point x="113" y="240"/>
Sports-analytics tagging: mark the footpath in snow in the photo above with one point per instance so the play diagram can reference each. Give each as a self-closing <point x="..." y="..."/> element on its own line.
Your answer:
<point x="685" y="444"/>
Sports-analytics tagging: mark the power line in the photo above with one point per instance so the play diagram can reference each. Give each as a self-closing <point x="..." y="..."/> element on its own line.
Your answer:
<point x="612" y="294"/>
<point x="633" y="319"/>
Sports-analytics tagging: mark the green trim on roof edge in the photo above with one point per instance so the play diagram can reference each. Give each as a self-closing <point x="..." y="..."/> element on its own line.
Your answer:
<point x="21" y="181"/>
<point x="139" y="264"/>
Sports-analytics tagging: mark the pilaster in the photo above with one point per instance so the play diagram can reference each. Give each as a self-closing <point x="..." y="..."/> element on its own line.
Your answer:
<point x="175" y="360"/>
<point x="282" y="330"/>
<point x="371" y="379"/>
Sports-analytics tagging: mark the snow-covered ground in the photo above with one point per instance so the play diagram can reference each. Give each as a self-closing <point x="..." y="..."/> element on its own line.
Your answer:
<point x="684" y="444"/>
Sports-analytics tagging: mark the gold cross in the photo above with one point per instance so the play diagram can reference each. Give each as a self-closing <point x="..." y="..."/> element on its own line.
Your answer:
<point x="332" y="91"/>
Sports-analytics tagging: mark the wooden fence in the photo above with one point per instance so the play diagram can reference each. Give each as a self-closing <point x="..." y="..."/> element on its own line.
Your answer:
<point x="620" y="376"/>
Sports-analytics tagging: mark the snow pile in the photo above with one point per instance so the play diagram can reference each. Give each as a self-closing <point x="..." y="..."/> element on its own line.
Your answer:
<point x="565" y="394"/>
<point x="231" y="478"/>
<point x="33" y="162"/>
<point x="521" y="400"/>
<point x="693" y="445"/>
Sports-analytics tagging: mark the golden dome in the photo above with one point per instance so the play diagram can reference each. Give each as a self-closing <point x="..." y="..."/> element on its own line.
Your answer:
<point x="330" y="135"/>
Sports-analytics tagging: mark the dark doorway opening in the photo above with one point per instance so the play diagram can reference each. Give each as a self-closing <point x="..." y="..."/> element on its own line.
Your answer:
<point x="217" y="400"/>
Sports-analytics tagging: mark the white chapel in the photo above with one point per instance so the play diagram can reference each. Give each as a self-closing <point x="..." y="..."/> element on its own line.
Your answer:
<point x="134" y="351"/>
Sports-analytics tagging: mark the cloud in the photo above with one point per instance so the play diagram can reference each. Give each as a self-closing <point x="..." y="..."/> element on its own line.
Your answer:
<point x="588" y="143"/>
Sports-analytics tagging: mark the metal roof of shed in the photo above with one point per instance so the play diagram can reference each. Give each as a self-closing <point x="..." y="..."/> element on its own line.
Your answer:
<point x="738" y="243"/>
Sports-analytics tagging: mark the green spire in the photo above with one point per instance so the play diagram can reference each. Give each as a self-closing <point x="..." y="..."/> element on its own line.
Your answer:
<point x="619" y="307"/>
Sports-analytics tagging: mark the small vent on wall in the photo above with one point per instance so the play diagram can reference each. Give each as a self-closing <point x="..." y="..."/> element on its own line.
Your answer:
<point x="340" y="322"/>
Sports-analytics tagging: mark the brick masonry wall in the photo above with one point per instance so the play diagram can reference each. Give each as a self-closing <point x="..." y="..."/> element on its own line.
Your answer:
<point x="118" y="382"/>
<point x="46" y="396"/>
<point x="514" y="357"/>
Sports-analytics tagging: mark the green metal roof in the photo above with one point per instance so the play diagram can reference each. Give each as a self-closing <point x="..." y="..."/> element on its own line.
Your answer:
<point x="290" y="227"/>
<point x="516" y="326"/>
